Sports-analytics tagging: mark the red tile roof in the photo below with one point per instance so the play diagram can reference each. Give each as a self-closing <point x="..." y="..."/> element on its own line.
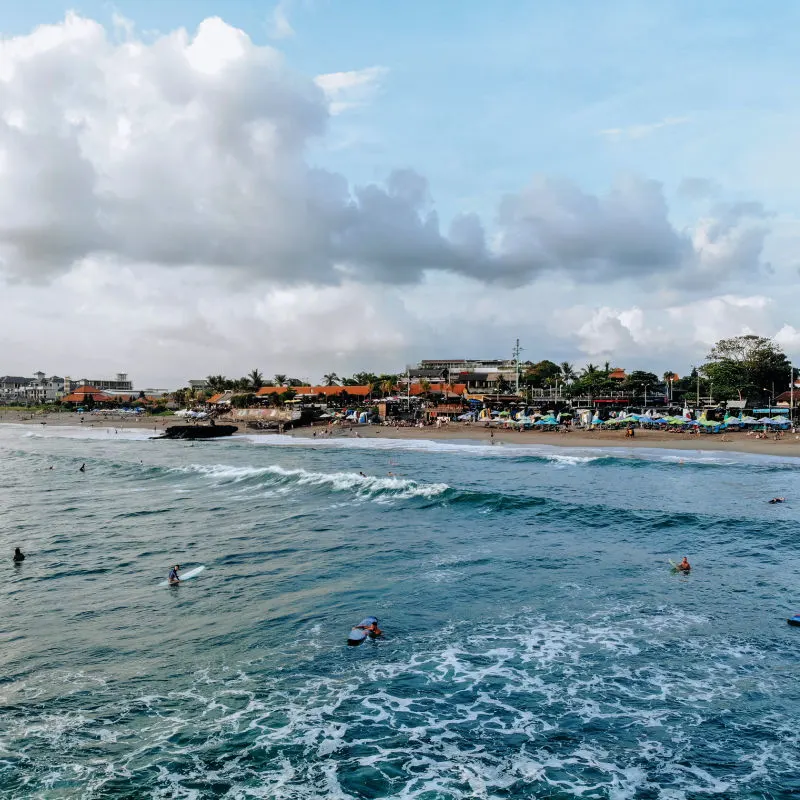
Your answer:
<point x="618" y="374"/>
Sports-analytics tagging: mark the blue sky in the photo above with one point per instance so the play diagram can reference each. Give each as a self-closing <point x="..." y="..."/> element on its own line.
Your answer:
<point x="480" y="96"/>
<point x="486" y="99"/>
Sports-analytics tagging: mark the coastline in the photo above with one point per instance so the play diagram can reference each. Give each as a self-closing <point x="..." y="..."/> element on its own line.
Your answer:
<point x="789" y="446"/>
<point x="731" y="442"/>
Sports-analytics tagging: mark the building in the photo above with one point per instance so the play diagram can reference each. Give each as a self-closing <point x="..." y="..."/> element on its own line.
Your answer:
<point x="42" y="389"/>
<point x="199" y="385"/>
<point x="38" y="389"/>
<point x="12" y="388"/>
<point x="118" y="384"/>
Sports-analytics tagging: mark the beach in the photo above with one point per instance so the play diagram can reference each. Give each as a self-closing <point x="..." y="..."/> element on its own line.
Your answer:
<point x="738" y="442"/>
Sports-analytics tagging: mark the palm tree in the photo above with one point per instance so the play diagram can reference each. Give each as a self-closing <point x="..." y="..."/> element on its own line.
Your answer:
<point x="387" y="387"/>
<point x="217" y="382"/>
<point x="331" y="379"/>
<point x="607" y="367"/>
<point x="280" y="380"/>
<point x="568" y="373"/>
<point x="589" y="369"/>
<point x="425" y="386"/>
<point x="372" y="385"/>
<point x="256" y="380"/>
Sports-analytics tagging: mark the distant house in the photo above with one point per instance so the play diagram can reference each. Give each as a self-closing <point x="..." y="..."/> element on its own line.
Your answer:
<point x="617" y="374"/>
<point x="12" y="387"/>
<point x="83" y="394"/>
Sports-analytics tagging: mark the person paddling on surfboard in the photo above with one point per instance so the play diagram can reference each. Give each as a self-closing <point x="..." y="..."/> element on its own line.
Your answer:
<point x="367" y="627"/>
<point x="173" y="577"/>
<point x="684" y="566"/>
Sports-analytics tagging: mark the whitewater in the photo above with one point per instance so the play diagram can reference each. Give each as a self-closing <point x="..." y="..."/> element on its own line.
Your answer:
<point x="536" y="642"/>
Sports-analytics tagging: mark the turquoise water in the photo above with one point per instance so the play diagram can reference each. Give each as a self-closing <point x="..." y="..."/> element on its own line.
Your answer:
<point x="537" y="644"/>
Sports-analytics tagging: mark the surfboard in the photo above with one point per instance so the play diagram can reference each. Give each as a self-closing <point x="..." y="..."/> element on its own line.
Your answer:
<point x="192" y="573"/>
<point x="795" y="620"/>
<point x="357" y="635"/>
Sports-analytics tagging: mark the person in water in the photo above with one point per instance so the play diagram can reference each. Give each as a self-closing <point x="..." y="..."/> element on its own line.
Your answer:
<point x="684" y="566"/>
<point x="83" y="468"/>
<point x="173" y="577"/>
<point x="18" y="556"/>
<point x="370" y="628"/>
<point x="777" y="499"/>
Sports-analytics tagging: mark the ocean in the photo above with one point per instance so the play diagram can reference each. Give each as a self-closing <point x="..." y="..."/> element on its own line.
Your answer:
<point x="537" y="644"/>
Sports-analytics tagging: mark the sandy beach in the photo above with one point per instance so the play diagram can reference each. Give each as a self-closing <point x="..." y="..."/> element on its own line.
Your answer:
<point x="789" y="445"/>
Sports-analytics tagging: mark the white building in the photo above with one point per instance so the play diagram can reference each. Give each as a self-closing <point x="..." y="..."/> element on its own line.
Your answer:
<point x="118" y="384"/>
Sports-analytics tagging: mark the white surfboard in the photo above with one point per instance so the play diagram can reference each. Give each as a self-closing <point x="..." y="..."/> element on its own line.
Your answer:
<point x="186" y="575"/>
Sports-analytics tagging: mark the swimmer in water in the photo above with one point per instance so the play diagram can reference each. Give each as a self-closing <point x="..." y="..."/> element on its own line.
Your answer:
<point x="362" y="474"/>
<point x="19" y="556"/>
<point x="370" y="628"/>
<point x="684" y="566"/>
<point x="173" y="577"/>
<point x="83" y="468"/>
<point x="777" y="500"/>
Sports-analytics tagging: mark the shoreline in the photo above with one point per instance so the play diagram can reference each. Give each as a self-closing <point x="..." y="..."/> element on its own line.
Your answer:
<point x="789" y="446"/>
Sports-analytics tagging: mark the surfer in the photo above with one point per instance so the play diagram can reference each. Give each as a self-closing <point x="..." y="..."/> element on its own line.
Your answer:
<point x="362" y="474"/>
<point x="83" y="468"/>
<point x="366" y="628"/>
<point x="18" y="556"/>
<point x="173" y="577"/>
<point x="684" y="566"/>
<point x="777" y="500"/>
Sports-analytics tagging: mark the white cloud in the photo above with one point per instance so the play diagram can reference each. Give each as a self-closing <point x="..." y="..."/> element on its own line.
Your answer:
<point x="642" y="130"/>
<point x="686" y="331"/>
<point x="156" y="200"/>
<point x="347" y="90"/>
<point x="191" y="149"/>
<point x="279" y="25"/>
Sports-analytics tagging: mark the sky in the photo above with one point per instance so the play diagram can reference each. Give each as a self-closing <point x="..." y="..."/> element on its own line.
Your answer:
<point x="303" y="187"/>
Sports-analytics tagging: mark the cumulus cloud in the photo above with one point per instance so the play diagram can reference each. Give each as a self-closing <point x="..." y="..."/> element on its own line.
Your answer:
<point x="191" y="150"/>
<point x="688" y="328"/>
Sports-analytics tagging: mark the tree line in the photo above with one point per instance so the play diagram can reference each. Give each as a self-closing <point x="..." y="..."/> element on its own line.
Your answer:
<point x="742" y="367"/>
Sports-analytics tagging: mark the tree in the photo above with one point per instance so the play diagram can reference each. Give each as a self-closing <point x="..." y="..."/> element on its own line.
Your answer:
<point x="387" y="387"/>
<point x="425" y="386"/>
<point x="542" y="373"/>
<point x="568" y="373"/>
<point x="638" y="381"/>
<point x="361" y="379"/>
<point x="280" y="380"/>
<point x="256" y="380"/>
<point x="746" y="366"/>
<point x="243" y="400"/>
<point x="219" y="383"/>
<point x="331" y="379"/>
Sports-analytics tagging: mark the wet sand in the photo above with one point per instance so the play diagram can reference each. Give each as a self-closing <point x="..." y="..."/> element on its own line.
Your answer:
<point x="789" y="445"/>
